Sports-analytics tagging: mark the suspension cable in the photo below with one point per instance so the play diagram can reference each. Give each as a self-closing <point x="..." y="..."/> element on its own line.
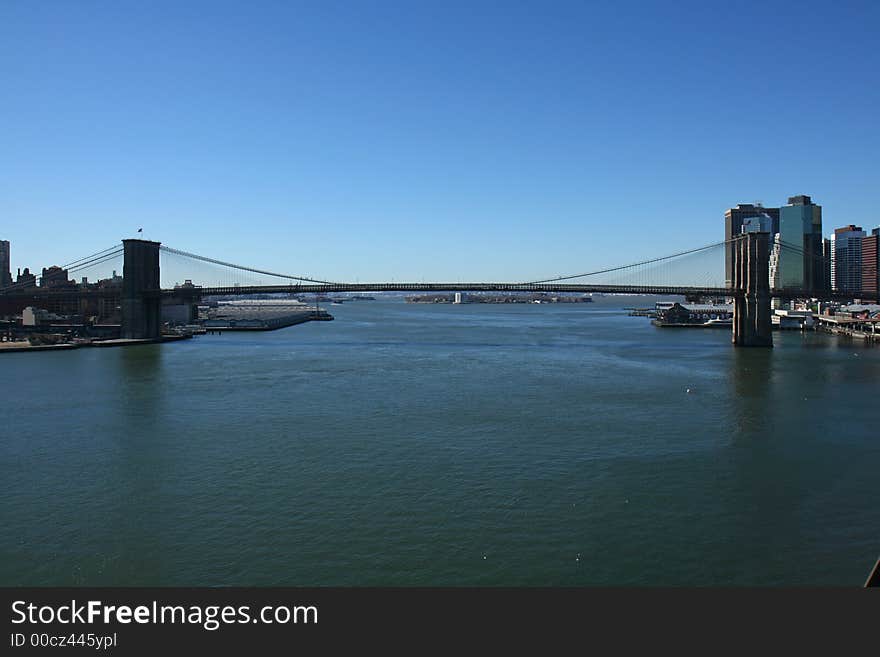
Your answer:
<point x="637" y="264"/>
<point x="168" y="249"/>
<point x="73" y="263"/>
<point x="96" y="261"/>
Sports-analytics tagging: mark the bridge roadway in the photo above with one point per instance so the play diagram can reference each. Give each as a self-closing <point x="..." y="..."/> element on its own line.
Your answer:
<point x="444" y="287"/>
<point x="199" y="292"/>
<point x="493" y="287"/>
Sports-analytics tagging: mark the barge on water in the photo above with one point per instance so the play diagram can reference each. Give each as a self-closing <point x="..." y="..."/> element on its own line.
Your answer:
<point x="259" y="314"/>
<point x="271" y="323"/>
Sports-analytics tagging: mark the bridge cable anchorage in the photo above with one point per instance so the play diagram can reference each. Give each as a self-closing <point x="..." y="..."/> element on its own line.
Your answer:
<point x="186" y="254"/>
<point x="635" y="264"/>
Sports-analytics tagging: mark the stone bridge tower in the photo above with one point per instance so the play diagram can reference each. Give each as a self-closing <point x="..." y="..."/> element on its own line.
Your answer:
<point x="751" y="283"/>
<point x="141" y="304"/>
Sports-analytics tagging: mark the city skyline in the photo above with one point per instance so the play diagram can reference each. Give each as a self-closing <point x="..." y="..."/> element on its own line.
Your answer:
<point x="419" y="148"/>
<point x="742" y="218"/>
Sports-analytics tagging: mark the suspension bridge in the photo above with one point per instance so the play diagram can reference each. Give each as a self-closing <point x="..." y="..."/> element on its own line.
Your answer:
<point x="152" y="273"/>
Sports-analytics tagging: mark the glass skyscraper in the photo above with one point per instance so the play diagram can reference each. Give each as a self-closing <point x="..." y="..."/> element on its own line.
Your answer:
<point x="799" y="261"/>
<point x="846" y="259"/>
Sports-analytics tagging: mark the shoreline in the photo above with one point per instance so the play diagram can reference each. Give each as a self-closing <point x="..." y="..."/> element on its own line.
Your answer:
<point x="24" y="345"/>
<point x="19" y="347"/>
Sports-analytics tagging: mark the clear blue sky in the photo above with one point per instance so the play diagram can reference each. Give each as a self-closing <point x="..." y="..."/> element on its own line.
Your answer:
<point x="470" y="140"/>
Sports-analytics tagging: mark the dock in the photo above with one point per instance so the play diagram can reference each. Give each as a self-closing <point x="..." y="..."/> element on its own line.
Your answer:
<point x="864" y="329"/>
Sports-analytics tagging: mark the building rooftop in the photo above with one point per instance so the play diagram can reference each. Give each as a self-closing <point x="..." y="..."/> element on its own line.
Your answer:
<point x="800" y="199"/>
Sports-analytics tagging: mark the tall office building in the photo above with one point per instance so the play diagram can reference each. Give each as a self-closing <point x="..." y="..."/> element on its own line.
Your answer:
<point x="5" y="274"/>
<point x="826" y="262"/>
<point x="846" y="259"/>
<point x="871" y="265"/>
<point x="800" y="263"/>
<point x="753" y="216"/>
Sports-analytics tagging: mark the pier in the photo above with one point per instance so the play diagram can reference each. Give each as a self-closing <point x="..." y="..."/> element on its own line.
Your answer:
<point x="864" y="329"/>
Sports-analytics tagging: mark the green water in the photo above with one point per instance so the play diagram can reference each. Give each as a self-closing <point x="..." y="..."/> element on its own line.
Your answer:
<point x="444" y="445"/>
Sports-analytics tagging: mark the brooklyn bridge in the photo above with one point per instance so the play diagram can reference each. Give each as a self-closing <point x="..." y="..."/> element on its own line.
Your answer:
<point x="739" y="269"/>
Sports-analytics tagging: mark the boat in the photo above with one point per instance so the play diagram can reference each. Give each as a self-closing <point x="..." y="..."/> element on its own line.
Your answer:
<point x="719" y="322"/>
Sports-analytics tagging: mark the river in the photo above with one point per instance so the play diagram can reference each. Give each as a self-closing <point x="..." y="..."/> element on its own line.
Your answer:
<point x="410" y="444"/>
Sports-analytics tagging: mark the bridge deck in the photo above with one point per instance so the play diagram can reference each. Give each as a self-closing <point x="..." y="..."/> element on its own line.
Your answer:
<point x="451" y="287"/>
<point x="197" y="292"/>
